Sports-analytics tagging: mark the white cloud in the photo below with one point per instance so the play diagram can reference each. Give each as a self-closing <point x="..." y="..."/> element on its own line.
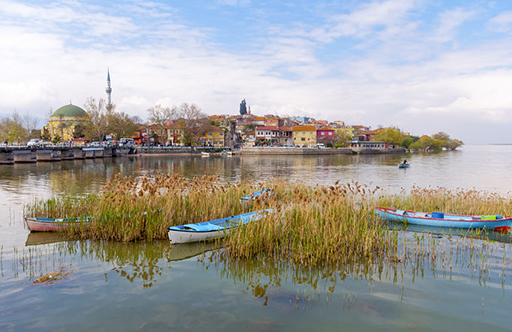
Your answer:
<point x="382" y="62"/>
<point x="449" y="21"/>
<point x="501" y="22"/>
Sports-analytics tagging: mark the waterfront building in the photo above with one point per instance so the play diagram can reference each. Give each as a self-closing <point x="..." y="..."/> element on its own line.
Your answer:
<point x="368" y="146"/>
<point x="304" y="135"/>
<point x="209" y="135"/>
<point x="285" y="136"/>
<point x="269" y="135"/>
<point x="175" y="134"/>
<point x="249" y="138"/>
<point x="66" y="123"/>
<point x="325" y="135"/>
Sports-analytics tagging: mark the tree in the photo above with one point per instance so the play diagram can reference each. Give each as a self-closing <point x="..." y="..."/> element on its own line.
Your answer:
<point x="447" y="142"/>
<point x="187" y="117"/>
<point x="161" y="115"/>
<point x="427" y="144"/>
<point x="391" y="136"/>
<point x="341" y="138"/>
<point x="454" y="144"/>
<point x="104" y="120"/>
<point x="45" y="135"/>
<point x="442" y="136"/>
<point x="120" y="125"/>
<point x="243" y="107"/>
<point x="12" y="129"/>
<point x="192" y="114"/>
<point x="30" y="124"/>
<point x="80" y="130"/>
<point x="96" y="127"/>
<point x="407" y="141"/>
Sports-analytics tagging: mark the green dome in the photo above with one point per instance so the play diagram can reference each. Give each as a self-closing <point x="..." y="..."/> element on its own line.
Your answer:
<point x="70" y="110"/>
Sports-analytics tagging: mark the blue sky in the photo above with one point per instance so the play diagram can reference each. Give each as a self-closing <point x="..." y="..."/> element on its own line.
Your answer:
<point x="423" y="66"/>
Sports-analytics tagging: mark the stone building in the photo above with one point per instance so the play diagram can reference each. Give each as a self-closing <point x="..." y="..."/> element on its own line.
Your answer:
<point x="65" y="122"/>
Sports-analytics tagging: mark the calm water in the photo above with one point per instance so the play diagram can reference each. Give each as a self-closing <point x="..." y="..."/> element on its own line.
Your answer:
<point x="110" y="286"/>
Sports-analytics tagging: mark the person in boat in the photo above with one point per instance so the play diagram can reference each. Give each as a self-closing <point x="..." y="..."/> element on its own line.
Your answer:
<point x="405" y="162"/>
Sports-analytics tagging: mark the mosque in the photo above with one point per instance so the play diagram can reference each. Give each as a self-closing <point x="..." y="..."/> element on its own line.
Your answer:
<point x="67" y="120"/>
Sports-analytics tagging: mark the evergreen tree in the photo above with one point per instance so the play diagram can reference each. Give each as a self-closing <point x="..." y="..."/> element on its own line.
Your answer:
<point x="243" y="107"/>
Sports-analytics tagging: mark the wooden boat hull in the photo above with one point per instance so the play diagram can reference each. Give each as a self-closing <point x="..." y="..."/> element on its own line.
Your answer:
<point x="500" y="223"/>
<point x="211" y="230"/>
<point x="50" y="224"/>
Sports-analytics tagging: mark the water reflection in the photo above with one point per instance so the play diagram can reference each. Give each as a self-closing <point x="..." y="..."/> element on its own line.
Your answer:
<point x="486" y="235"/>
<point x="276" y="282"/>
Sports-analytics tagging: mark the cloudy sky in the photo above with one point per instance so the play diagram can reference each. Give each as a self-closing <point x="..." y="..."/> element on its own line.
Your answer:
<point x="421" y="65"/>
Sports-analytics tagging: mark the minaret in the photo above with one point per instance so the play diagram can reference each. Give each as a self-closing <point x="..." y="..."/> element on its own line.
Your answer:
<point x="108" y="89"/>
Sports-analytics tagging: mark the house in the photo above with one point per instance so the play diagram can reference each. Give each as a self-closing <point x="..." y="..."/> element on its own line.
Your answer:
<point x="249" y="138"/>
<point x="285" y="136"/>
<point x="209" y="135"/>
<point x="174" y="134"/>
<point x="267" y="135"/>
<point x="325" y="135"/>
<point x="304" y="135"/>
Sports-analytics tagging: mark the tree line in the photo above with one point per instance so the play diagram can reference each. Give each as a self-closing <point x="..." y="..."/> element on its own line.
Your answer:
<point x="438" y="142"/>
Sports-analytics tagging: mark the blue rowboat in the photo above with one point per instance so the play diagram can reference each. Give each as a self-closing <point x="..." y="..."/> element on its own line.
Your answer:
<point x="404" y="165"/>
<point x="211" y="230"/>
<point x="437" y="219"/>
<point x="258" y="195"/>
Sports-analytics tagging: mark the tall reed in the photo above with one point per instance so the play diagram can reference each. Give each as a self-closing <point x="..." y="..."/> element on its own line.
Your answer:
<point x="310" y="225"/>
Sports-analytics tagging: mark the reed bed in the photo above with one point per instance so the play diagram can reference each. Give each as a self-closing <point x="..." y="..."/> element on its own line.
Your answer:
<point x="132" y="209"/>
<point x="316" y="225"/>
<point x="458" y="201"/>
<point x="309" y="226"/>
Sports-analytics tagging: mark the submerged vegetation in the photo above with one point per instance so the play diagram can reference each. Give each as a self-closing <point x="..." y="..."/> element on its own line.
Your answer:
<point x="310" y="226"/>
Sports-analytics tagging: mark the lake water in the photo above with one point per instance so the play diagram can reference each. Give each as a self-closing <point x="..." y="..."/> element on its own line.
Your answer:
<point x="456" y="283"/>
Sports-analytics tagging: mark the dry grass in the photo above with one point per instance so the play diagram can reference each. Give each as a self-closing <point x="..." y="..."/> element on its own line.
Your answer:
<point x="310" y="226"/>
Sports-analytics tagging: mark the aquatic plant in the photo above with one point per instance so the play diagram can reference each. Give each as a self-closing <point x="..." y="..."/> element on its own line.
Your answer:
<point x="310" y="225"/>
<point x="132" y="209"/>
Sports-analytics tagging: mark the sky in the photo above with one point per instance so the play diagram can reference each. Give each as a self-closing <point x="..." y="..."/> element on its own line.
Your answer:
<point x="423" y="66"/>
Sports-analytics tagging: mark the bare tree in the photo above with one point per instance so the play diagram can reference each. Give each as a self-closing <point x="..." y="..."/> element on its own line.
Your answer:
<point x="30" y="123"/>
<point x="98" y="120"/>
<point x="161" y="115"/>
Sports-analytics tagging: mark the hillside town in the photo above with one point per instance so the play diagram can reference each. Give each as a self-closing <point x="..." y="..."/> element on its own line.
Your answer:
<point x="188" y="126"/>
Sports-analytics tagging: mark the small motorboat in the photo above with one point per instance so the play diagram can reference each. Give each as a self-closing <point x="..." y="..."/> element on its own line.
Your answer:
<point x="438" y="219"/>
<point x="211" y="230"/>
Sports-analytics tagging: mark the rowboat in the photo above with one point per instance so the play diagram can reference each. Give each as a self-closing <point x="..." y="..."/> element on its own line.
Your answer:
<point x="205" y="154"/>
<point x="52" y="224"/>
<point x="211" y="230"/>
<point x="258" y="195"/>
<point x="437" y="219"/>
<point x="404" y="165"/>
